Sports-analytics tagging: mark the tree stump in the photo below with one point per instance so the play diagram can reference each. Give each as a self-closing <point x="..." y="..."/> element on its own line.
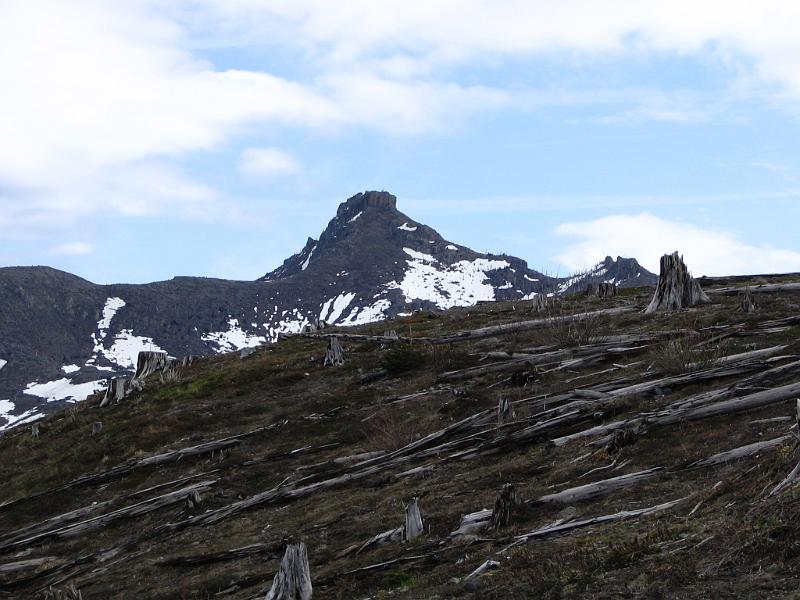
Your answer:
<point x="601" y="290"/>
<point x="116" y="390"/>
<point x="149" y="362"/>
<point x="748" y="305"/>
<point x="293" y="580"/>
<point x="505" y="412"/>
<point x="35" y="430"/>
<point x="334" y="355"/>
<point x="676" y="287"/>
<point x="245" y="352"/>
<point x="539" y="303"/>
<point x="97" y="427"/>
<point x="413" y="527"/>
<point x="187" y="360"/>
<point x="504" y="506"/>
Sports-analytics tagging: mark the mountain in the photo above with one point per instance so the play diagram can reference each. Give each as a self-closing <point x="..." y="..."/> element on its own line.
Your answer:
<point x="61" y="336"/>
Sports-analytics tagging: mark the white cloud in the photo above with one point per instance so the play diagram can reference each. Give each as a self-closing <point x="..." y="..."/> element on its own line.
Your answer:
<point x="268" y="162"/>
<point x="647" y="237"/>
<point x="107" y="98"/>
<point x="73" y="248"/>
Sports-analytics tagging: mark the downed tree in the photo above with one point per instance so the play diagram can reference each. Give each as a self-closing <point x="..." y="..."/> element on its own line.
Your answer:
<point x="741" y="452"/>
<point x="150" y="461"/>
<point x="676" y="287"/>
<point x="293" y="580"/>
<point x="561" y="528"/>
<point x="100" y="521"/>
<point x="591" y="491"/>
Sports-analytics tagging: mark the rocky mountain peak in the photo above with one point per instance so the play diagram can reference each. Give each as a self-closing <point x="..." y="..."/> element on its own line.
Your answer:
<point x="364" y="200"/>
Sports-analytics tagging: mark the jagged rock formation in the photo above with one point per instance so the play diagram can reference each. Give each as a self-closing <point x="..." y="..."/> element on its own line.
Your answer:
<point x="676" y="288"/>
<point x="62" y="337"/>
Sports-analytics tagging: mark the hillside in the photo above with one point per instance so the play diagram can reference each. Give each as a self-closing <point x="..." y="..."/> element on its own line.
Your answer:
<point x="281" y="448"/>
<point x="62" y="336"/>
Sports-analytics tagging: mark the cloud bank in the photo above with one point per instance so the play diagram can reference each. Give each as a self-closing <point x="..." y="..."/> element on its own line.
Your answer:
<point x="647" y="237"/>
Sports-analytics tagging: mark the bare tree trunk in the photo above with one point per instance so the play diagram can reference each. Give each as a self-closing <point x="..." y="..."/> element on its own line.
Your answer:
<point x="97" y="427"/>
<point x="676" y="288"/>
<point x="115" y="391"/>
<point x="293" y="580"/>
<point x="334" y="355"/>
<point x="35" y="430"/>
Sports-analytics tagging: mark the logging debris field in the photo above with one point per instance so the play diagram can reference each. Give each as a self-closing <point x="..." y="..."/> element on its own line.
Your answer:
<point x="649" y="455"/>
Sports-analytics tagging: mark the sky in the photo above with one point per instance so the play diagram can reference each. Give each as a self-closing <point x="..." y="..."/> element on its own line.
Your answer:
<point x="142" y="140"/>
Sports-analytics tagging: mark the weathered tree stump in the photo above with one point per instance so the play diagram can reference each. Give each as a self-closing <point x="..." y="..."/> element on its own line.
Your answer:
<point x="504" y="506"/>
<point x="505" y="412"/>
<point x="245" y="352"/>
<point x="68" y="593"/>
<point x="334" y="355"/>
<point x="293" y="580"/>
<point x="676" y="287"/>
<point x="116" y="390"/>
<point x="748" y="305"/>
<point x="413" y="526"/>
<point x="35" y="430"/>
<point x="539" y="303"/>
<point x="149" y="362"/>
<point x="97" y="427"/>
<point x="187" y="360"/>
<point x="601" y="290"/>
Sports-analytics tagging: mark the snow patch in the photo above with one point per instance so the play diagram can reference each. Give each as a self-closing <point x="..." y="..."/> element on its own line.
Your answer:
<point x="368" y="314"/>
<point x="3" y="363"/>
<point x="406" y="227"/>
<point x="464" y="283"/>
<point x="419" y="256"/>
<point x="64" y="389"/>
<point x="126" y="347"/>
<point x="354" y="218"/>
<point x="28" y="416"/>
<point x="235" y="338"/>
<point x="451" y="247"/>
<point x="339" y="303"/>
<point x="530" y="278"/>
<point x="70" y="369"/>
<point x="304" y="266"/>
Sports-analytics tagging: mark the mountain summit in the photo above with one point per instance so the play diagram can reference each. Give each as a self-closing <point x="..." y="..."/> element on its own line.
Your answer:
<point x="62" y="336"/>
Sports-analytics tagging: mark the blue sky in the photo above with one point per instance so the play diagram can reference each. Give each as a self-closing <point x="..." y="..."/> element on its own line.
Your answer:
<point x="213" y="137"/>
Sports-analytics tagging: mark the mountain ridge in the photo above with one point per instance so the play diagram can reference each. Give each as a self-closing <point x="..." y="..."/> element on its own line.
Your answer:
<point x="62" y="336"/>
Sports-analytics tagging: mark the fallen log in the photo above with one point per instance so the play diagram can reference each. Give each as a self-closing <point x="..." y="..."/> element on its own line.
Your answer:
<point x="766" y="288"/>
<point x="598" y="489"/>
<point x="484" y="568"/>
<point x="507" y="328"/>
<point x="222" y="556"/>
<point x="552" y="530"/>
<point x="101" y="521"/>
<point x="740" y="452"/>
<point x="151" y="461"/>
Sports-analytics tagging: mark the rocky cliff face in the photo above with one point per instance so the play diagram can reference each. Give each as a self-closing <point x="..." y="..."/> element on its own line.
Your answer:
<point x="61" y="336"/>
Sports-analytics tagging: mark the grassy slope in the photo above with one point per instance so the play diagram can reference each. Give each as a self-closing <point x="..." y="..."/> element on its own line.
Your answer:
<point x="735" y="544"/>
